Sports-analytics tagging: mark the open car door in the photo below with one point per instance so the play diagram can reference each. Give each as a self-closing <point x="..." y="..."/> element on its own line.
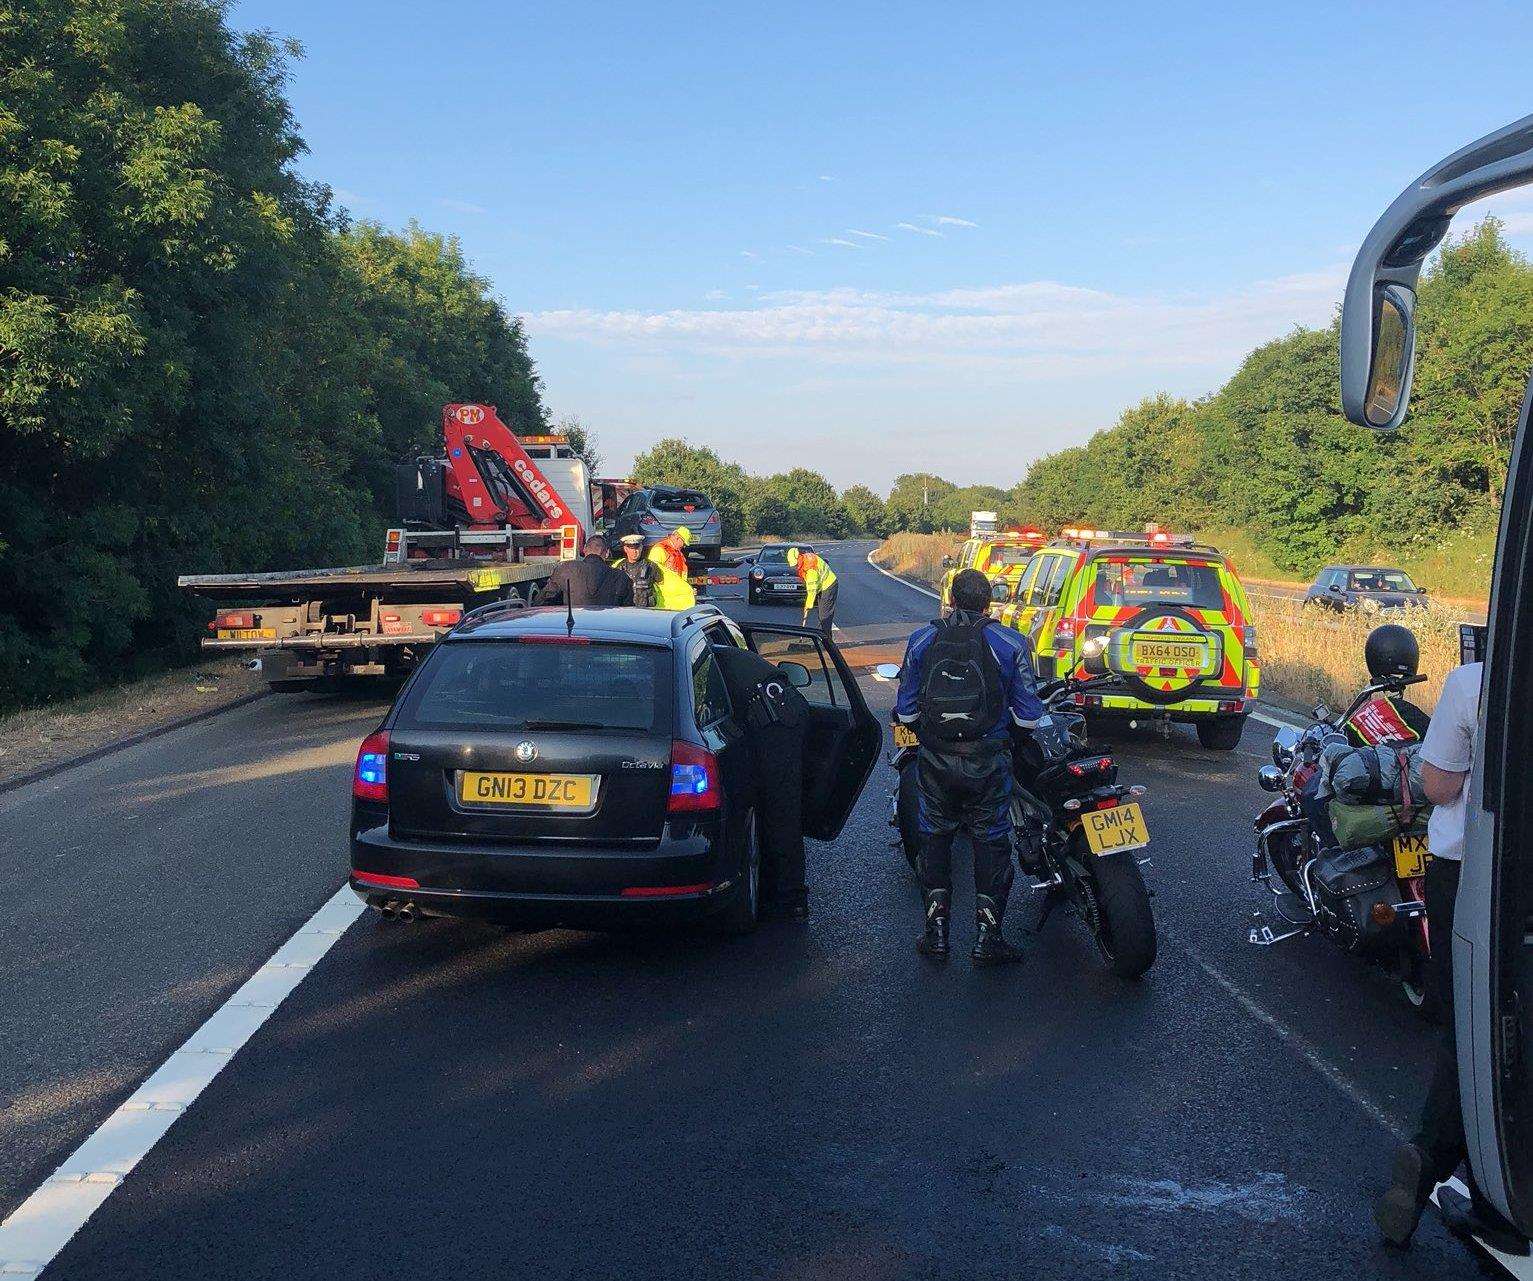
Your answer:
<point x="1493" y="924"/>
<point x="844" y="737"/>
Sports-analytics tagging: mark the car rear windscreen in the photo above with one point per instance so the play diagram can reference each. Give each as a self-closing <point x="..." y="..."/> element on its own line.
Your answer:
<point x="519" y="685"/>
<point x="680" y="501"/>
<point x="1153" y="582"/>
<point x="1009" y="556"/>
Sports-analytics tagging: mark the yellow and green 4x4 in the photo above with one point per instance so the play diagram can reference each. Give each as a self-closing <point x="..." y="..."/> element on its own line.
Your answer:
<point x="1168" y="619"/>
<point x="1000" y="557"/>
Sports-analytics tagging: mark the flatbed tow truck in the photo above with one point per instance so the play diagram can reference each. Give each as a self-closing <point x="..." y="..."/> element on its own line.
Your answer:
<point x="487" y="519"/>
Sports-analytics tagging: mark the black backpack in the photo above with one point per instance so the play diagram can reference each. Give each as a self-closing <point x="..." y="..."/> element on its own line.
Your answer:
<point x="961" y="697"/>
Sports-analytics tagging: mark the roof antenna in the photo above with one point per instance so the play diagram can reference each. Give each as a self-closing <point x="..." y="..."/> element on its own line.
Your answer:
<point x="569" y="616"/>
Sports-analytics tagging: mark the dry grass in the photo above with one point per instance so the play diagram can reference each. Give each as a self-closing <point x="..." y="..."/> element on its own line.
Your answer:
<point x="919" y="556"/>
<point x="1309" y="657"/>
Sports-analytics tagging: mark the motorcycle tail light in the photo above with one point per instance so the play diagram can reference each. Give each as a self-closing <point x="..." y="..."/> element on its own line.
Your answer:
<point x="1072" y="804"/>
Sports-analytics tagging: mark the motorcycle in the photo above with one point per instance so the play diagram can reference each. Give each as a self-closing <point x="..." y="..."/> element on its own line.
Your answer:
<point x="1076" y="830"/>
<point x="1369" y="901"/>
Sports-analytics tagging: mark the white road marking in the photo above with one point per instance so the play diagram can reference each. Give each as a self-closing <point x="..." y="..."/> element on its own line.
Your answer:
<point x="1274" y="721"/>
<point x="925" y="591"/>
<point x="1339" y="1079"/>
<point x="42" y="1225"/>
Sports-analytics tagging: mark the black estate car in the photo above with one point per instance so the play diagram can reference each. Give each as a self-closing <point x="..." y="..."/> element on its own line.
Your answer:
<point x="591" y="775"/>
<point x="1365" y="587"/>
<point x="769" y="577"/>
<point x="658" y="509"/>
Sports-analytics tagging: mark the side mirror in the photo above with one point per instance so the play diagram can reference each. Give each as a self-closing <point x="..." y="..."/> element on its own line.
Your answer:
<point x="1394" y="344"/>
<point x="797" y="674"/>
<point x="1000" y="591"/>
<point x="1334" y="588"/>
<point x="1322" y="712"/>
<point x="1284" y="744"/>
<point x="886" y="672"/>
<point x="1270" y="777"/>
<point x="947" y="562"/>
<point x="1421" y="591"/>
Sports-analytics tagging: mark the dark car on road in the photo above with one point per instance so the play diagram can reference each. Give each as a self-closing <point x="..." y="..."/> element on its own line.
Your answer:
<point x="591" y="775"/>
<point x="1365" y="587"/>
<point x="658" y="509"/>
<point x="769" y="577"/>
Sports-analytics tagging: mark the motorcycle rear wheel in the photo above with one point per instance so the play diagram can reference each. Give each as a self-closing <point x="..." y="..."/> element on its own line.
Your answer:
<point x="1124" y="924"/>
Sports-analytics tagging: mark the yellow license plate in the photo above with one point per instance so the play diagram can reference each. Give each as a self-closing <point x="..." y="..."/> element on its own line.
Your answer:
<point x="904" y="736"/>
<point x="1120" y="828"/>
<point x="1169" y="653"/>
<point x="528" y="791"/>
<point x="1411" y="855"/>
<point x="247" y="633"/>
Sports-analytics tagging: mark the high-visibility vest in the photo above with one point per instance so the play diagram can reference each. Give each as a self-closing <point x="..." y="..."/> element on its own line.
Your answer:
<point x="816" y="576"/>
<point x="673" y="591"/>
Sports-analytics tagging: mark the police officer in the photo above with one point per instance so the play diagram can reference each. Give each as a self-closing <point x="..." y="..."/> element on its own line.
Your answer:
<point x="643" y="574"/>
<point x="966" y="682"/>
<point x="588" y="582"/>
<point x="775" y="716"/>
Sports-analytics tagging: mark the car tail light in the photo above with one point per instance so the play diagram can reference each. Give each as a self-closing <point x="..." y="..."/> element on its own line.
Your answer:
<point x="233" y="619"/>
<point x="1065" y="631"/>
<point x="370" y="781"/>
<point x="441" y="617"/>
<point x="384" y="881"/>
<point x="1248" y="634"/>
<point x="650" y="521"/>
<point x="666" y="891"/>
<point x="694" y="779"/>
<point x="713" y="518"/>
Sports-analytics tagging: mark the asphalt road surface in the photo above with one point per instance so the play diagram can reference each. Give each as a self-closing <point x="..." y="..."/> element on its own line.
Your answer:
<point x="452" y="1100"/>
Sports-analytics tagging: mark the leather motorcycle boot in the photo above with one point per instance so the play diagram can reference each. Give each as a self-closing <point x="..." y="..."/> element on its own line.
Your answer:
<point x="933" y="941"/>
<point x="990" y="945"/>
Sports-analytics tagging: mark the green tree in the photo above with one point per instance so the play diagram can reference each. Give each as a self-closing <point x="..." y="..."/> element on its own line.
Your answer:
<point x="864" y="511"/>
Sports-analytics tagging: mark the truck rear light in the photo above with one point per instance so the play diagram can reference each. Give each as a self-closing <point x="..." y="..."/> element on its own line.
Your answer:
<point x="370" y="780"/>
<point x="233" y="619"/>
<point x="694" y="779"/>
<point x="441" y="617"/>
<point x="391" y="625"/>
<point x="1065" y="631"/>
<point x="1248" y="634"/>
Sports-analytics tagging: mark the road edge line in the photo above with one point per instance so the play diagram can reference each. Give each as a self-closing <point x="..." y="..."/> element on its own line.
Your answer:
<point x="915" y="587"/>
<point x="132" y="740"/>
<point x="34" y="1234"/>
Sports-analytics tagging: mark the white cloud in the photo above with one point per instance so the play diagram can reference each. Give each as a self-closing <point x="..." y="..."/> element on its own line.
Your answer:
<point x="947" y="220"/>
<point x="1034" y="330"/>
<point x="845" y="244"/>
<point x="799" y="249"/>
<point x="920" y="231"/>
<point x="866" y="235"/>
<point x="825" y="177"/>
<point x="749" y="253"/>
<point x="715" y="295"/>
<point x="461" y="206"/>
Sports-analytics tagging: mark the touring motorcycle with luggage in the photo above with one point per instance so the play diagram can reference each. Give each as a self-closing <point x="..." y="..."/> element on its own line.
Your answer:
<point x="1352" y="872"/>
<point x="1076" y="830"/>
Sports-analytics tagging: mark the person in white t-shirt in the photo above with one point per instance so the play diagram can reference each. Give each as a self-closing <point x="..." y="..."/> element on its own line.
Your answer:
<point x="1439" y="1147"/>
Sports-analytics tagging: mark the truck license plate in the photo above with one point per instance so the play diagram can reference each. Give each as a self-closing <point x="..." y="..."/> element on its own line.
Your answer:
<point x="1411" y="855"/>
<point x="1120" y="828"/>
<point x="247" y="633"/>
<point x="528" y="791"/>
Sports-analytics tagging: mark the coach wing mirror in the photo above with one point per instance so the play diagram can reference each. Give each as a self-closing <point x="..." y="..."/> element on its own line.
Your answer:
<point x="797" y="674"/>
<point x="1378" y="322"/>
<point x="886" y="672"/>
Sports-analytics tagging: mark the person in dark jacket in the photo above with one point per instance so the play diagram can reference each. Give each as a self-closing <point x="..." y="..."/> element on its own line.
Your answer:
<point x="775" y="717"/>
<point x="642" y="573"/>
<point x="588" y="582"/>
<point x="966" y="783"/>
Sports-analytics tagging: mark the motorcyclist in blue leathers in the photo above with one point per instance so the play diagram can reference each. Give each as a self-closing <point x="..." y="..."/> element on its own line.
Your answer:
<point x="966" y="784"/>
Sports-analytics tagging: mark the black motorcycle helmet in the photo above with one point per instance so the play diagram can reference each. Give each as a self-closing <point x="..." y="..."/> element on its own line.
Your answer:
<point x="1392" y="651"/>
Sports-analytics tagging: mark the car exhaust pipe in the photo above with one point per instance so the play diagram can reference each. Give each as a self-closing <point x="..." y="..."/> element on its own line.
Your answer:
<point x="405" y="911"/>
<point x="386" y="909"/>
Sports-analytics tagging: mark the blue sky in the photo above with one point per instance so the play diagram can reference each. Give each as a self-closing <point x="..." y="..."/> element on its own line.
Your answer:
<point x="887" y="238"/>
